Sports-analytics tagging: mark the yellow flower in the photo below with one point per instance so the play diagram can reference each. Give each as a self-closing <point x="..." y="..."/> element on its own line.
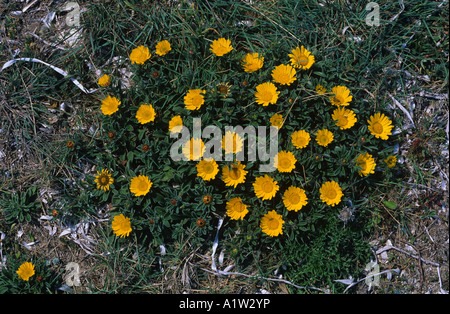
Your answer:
<point x="207" y="169"/>
<point x="300" y="139"/>
<point x="104" y="81"/>
<point x="232" y="143"/>
<point x="391" y="161"/>
<point x="221" y="46"/>
<point x="367" y="164"/>
<point x="110" y="105"/>
<point x="25" y="271"/>
<point x="341" y="97"/>
<point x="163" y="47"/>
<point x="266" y="93"/>
<point x="103" y="180"/>
<point x="285" y="161"/>
<point x="301" y="58"/>
<point x="121" y="226"/>
<point x="252" y="62"/>
<point x="294" y="198"/>
<point x="194" y="99"/>
<point x="284" y="74"/>
<point x="140" y="185"/>
<point x="272" y="224"/>
<point x="145" y="114"/>
<point x="276" y="120"/>
<point x="234" y="174"/>
<point x="194" y="149"/>
<point x="236" y="209"/>
<point x="175" y="124"/>
<point x="344" y="118"/>
<point x="140" y="54"/>
<point x="320" y="89"/>
<point x="224" y="89"/>
<point x="324" y="137"/>
<point x="380" y="126"/>
<point x="331" y="193"/>
<point x="265" y="187"/>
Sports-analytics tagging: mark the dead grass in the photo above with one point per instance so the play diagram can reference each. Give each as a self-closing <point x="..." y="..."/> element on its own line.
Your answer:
<point x="419" y="224"/>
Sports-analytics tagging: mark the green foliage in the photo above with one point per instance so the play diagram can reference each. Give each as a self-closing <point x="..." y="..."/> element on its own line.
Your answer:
<point x="171" y="211"/>
<point x="45" y="280"/>
<point x="20" y="206"/>
<point x="316" y="246"/>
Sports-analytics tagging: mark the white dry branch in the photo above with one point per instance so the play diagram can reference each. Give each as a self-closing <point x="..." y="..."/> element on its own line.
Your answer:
<point x="60" y="71"/>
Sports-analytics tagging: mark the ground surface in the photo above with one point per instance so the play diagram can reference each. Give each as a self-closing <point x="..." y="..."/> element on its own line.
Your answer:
<point x="412" y="237"/>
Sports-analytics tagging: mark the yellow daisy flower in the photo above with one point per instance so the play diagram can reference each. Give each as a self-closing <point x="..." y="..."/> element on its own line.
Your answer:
<point x="140" y="185"/>
<point x="232" y="143"/>
<point x="331" y="193"/>
<point x="265" y="187"/>
<point x="380" y="126"/>
<point x="272" y="224"/>
<point x="284" y="74"/>
<point x="234" y="174"/>
<point x="207" y="169"/>
<point x="341" y="97"/>
<point x="163" y="47"/>
<point x="252" y="62"/>
<point x="194" y="149"/>
<point x="224" y="89"/>
<point x="285" y="161"/>
<point x="121" y="226"/>
<point x="300" y="139"/>
<point x="110" y="105"/>
<point x="324" y="137"/>
<point x="294" y="198"/>
<point x="103" y="180"/>
<point x="175" y="124"/>
<point x="276" y="120"/>
<point x="367" y="164"/>
<point x="145" y="114"/>
<point x="26" y="271"/>
<point x="104" y="80"/>
<point x="301" y="58"/>
<point x="344" y="118"/>
<point x="140" y="54"/>
<point x="320" y="89"/>
<point x="194" y="99"/>
<point x="266" y="93"/>
<point x="221" y="46"/>
<point x="236" y="209"/>
<point x="391" y="161"/>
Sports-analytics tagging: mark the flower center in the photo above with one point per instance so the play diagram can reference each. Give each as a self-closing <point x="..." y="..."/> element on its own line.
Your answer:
<point x="266" y="96"/>
<point x="339" y="98"/>
<point x="197" y="99"/>
<point x="235" y="173"/>
<point x="223" y="89"/>
<point x="273" y="224"/>
<point x="330" y="193"/>
<point x="143" y="185"/>
<point x="208" y="168"/>
<point x="284" y="78"/>
<point x="103" y="179"/>
<point x="285" y="163"/>
<point x="294" y="199"/>
<point x="377" y="128"/>
<point x="267" y="187"/>
<point x="343" y="121"/>
<point x="239" y="207"/>
<point x="363" y="165"/>
<point x="302" y="60"/>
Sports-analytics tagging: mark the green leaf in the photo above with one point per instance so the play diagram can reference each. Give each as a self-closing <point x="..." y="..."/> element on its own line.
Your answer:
<point x="390" y="205"/>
